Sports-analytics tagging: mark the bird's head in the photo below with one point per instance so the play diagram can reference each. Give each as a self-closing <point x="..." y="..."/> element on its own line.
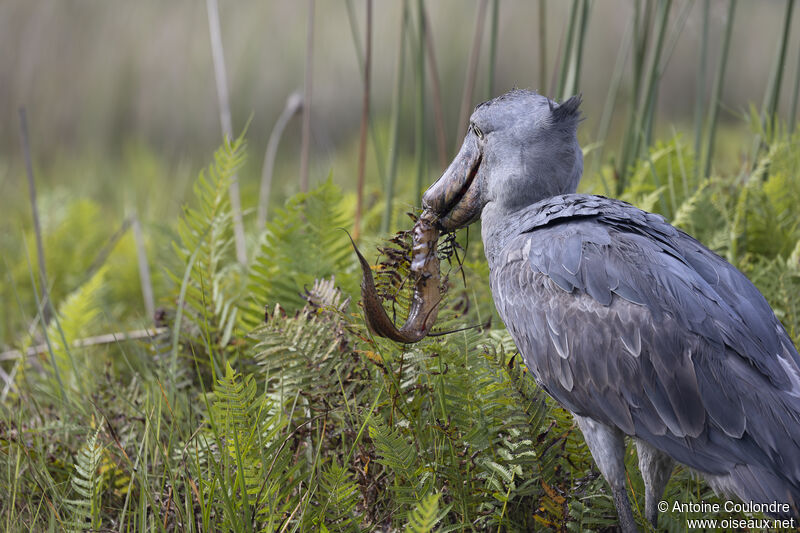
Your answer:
<point x="520" y="148"/>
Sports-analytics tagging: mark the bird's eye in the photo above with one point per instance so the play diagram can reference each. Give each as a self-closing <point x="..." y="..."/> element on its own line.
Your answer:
<point x="477" y="131"/>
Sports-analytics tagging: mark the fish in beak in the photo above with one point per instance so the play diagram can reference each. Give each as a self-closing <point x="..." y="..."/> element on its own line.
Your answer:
<point x="456" y="197"/>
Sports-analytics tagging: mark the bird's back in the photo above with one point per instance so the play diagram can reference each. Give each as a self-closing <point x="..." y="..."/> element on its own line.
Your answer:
<point x="624" y="319"/>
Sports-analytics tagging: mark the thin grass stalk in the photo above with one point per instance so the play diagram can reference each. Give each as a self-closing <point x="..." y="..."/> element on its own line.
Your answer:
<point x="101" y="257"/>
<point x="557" y="62"/>
<point x="362" y="144"/>
<point x="294" y="104"/>
<point x="436" y="89"/>
<point x="665" y="56"/>
<point x="576" y="59"/>
<point x="652" y="79"/>
<point x="567" y="57"/>
<point x="716" y="92"/>
<point x="641" y="25"/>
<point x="611" y="102"/>
<point x="419" y="110"/>
<point x="675" y="33"/>
<point x="40" y="305"/>
<point x="472" y="70"/>
<point x="772" y="95"/>
<point x="795" y="96"/>
<point x="37" y="227"/>
<point x="674" y="36"/>
<point x="542" y="44"/>
<point x="493" y="27"/>
<point x="642" y="126"/>
<point x="394" y="127"/>
<point x="305" y="143"/>
<point x="221" y="79"/>
<point x="700" y="89"/>
<point x="373" y="133"/>
<point x="144" y="269"/>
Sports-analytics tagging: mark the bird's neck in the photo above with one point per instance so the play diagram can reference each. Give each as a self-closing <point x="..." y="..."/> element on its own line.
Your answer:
<point x="498" y="226"/>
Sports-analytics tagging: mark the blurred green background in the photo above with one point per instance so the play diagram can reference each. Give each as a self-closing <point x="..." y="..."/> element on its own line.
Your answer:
<point x="103" y="80"/>
<point x="224" y="399"/>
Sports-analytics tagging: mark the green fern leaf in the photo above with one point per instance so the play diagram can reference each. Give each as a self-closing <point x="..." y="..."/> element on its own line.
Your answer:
<point x="206" y="234"/>
<point x="77" y="315"/>
<point x="301" y="243"/>
<point x="238" y="412"/>
<point x="86" y="482"/>
<point x="426" y="515"/>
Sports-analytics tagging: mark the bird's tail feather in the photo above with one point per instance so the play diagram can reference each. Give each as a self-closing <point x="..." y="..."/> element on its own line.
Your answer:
<point x="750" y="483"/>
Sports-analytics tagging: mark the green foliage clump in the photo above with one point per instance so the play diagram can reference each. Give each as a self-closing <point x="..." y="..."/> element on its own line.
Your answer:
<point x="264" y="404"/>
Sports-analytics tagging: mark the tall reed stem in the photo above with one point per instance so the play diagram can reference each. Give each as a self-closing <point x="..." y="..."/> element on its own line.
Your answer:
<point x="772" y="96"/>
<point x="492" y="47"/>
<point x="472" y="70"/>
<point x="221" y="78"/>
<point x="542" y="45"/>
<point x="305" y="143"/>
<point x="716" y="92"/>
<point x="700" y="88"/>
<point x="362" y="148"/>
<point x="652" y="79"/>
<point x="567" y="50"/>
<point x="611" y="103"/>
<point x="438" y="114"/>
<point x="576" y="57"/>
<point x="419" y="111"/>
<point x="394" y="127"/>
<point x="641" y="24"/>
<point x="377" y="146"/>
<point x="795" y="96"/>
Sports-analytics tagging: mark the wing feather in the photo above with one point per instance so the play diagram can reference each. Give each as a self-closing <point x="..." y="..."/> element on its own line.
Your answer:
<point x="629" y="321"/>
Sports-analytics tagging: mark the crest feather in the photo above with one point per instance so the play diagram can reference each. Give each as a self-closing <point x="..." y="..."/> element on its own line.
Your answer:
<point x="568" y="109"/>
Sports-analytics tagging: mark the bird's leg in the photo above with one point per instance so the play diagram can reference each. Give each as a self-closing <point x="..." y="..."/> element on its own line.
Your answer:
<point x="608" y="449"/>
<point x="656" y="468"/>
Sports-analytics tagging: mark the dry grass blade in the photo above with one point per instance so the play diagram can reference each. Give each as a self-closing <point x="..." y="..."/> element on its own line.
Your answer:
<point x="294" y="104"/>
<point x="221" y="79"/>
<point x="144" y="268"/>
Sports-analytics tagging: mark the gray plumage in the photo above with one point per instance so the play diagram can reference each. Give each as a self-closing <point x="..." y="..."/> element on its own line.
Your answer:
<point x="631" y="324"/>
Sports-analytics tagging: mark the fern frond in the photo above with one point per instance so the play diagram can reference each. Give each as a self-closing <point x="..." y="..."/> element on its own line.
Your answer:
<point x="238" y="411"/>
<point x="394" y="451"/>
<point x="426" y="515"/>
<point x="206" y="234"/>
<point x="77" y="315"/>
<point x="299" y="352"/>
<point x="339" y="496"/>
<point x="86" y="482"/>
<point x="301" y="243"/>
